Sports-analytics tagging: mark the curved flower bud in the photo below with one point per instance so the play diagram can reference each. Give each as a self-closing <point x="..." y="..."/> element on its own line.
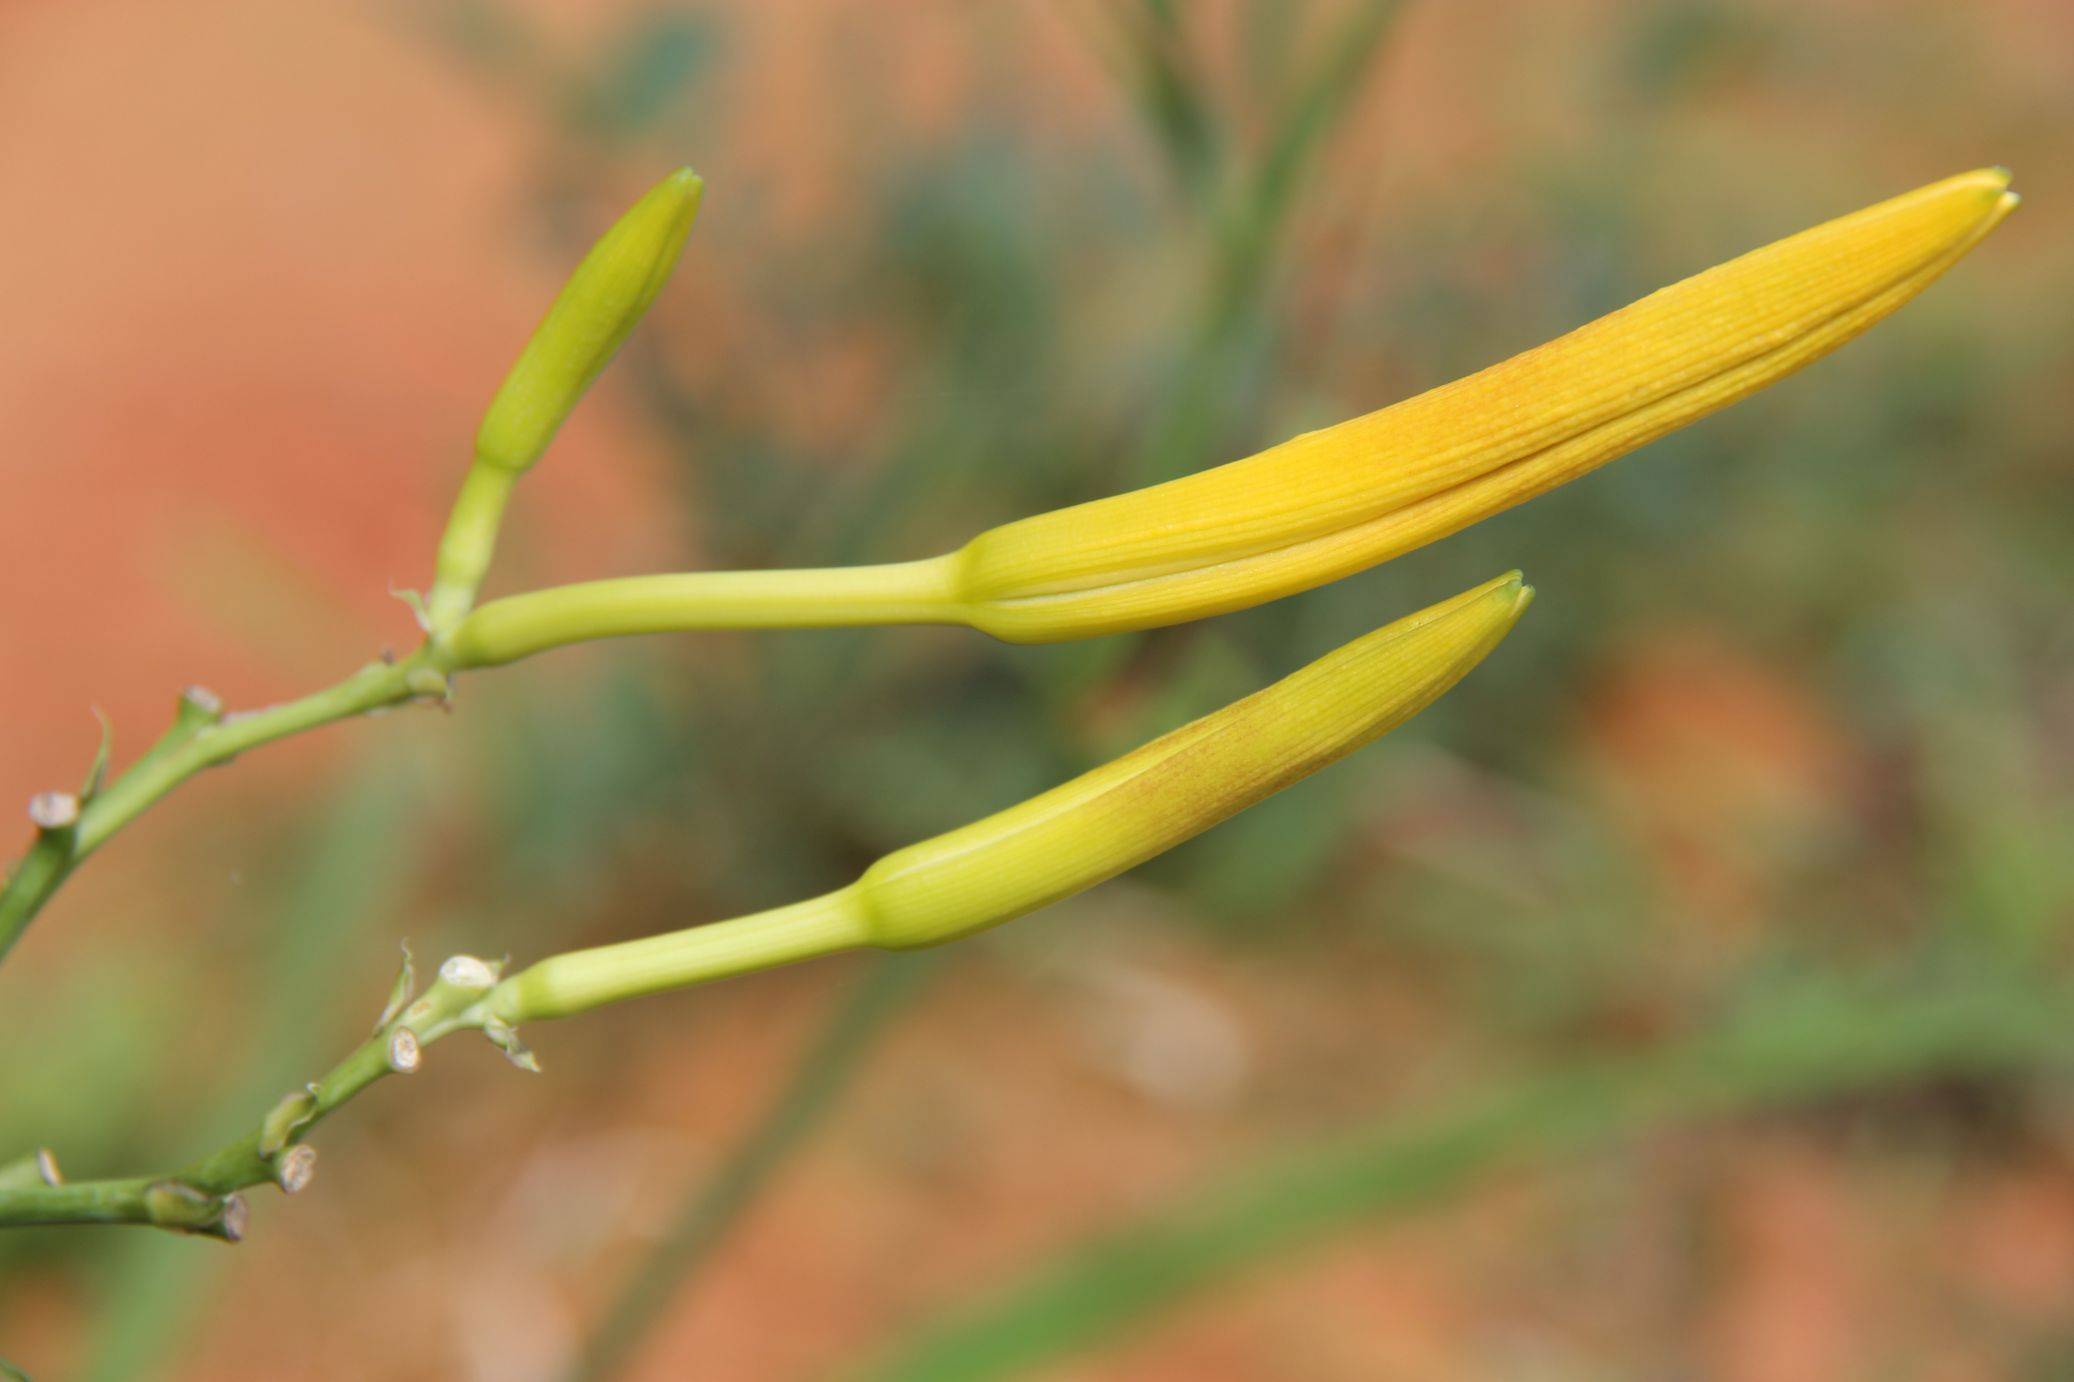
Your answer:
<point x="1332" y="502"/>
<point x="590" y="320"/>
<point x="1070" y="838"/>
<point x="1179" y="785"/>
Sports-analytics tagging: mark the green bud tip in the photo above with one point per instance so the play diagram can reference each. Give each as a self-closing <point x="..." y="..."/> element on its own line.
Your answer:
<point x="599" y="306"/>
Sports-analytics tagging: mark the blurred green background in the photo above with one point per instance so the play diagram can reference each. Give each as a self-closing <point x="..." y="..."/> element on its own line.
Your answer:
<point x="1681" y="997"/>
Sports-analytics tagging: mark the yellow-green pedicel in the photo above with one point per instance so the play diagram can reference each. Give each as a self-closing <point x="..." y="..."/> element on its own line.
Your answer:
<point x="1333" y="502"/>
<point x="604" y="299"/>
<point x="1074" y="836"/>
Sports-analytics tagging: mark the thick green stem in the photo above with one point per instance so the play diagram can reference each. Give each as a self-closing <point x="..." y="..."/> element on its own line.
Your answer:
<point x="914" y="592"/>
<point x="563" y="985"/>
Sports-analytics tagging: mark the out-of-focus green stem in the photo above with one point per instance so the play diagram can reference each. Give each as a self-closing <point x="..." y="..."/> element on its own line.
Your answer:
<point x="1247" y="235"/>
<point x="1823" y="1041"/>
<point x="824" y="1071"/>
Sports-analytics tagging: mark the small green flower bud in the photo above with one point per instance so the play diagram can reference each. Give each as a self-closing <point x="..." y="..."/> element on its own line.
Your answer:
<point x="598" y="307"/>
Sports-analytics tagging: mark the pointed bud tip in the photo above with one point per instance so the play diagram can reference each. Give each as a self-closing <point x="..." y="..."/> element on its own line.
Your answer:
<point x="1990" y="181"/>
<point x="1982" y="192"/>
<point x="1513" y="590"/>
<point x="1992" y="184"/>
<point x="1523" y="596"/>
<point x="1502" y="597"/>
<point x="677" y="196"/>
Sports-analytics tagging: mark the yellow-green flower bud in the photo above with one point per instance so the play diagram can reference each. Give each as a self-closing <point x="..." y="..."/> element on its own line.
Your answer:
<point x="590" y="320"/>
<point x="1074" y="836"/>
<point x="600" y="304"/>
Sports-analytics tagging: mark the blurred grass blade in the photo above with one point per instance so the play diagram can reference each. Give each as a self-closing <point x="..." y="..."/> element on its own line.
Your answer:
<point x="1806" y="1041"/>
<point x="647" y="72"/>
<point x="1315" y="109"/>
<point x="1205" y="398"/>
<point x="1167" y="85"/>
<point x="358" y="862"/>
<point x="817" y="1083"/>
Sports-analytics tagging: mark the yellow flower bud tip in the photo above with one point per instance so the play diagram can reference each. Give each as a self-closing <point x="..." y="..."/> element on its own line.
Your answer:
<point x="1072" y="837"/>
<point x="1328" y="503"/>
<point x="601" y="303"/>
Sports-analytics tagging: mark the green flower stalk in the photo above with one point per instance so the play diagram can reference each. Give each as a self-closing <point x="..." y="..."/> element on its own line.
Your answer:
<point x="600" y="305"/>
<point x="1103" y="822"/>
<point x="1339" y="500"/>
